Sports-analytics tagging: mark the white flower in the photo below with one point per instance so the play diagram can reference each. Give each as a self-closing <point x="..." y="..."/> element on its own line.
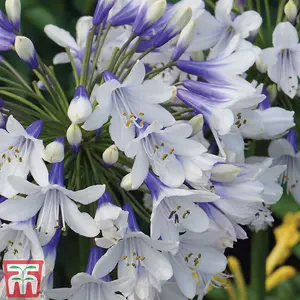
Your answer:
<point x="284" y="152"/>
<point x="162" y="149"/>
<point x="20" y="241"/>
<point x="54" y="152"/>
<point x="130" y="104"/>
<point x="111" y="220"/>
<point x="176" y="210"/>
<point x="283" y="59"/>
<point x="63" y="38"/>
<point x="51" y="199"/>
<point x="21" y="153"/>
<point x="89" y="287"/>
<point x="216" y="32"/>
<point x="111" y="155"/>
<point x="197" y="260"/>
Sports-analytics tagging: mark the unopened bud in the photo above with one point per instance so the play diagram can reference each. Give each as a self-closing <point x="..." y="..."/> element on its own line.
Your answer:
<point x="54" y="152"/>
<point x="178" y="21"/>
<point x="261" y="66"/>
<point x="26" y="51"/>
<point x="185" y="38"/>
<point x="148" y="15"/>
<point x="290" y="10"/>
<point x="225" y="172"/>
<point x="13" y="11"/>
<point x="74" y="137"/>
<point x="272" y="90"/>
<point x="197" y="124"/>
<point x="126" y="182"/>
<point x="80" y="107"/>
<point x="111" y="155"/>
<point x="102" y="10"/>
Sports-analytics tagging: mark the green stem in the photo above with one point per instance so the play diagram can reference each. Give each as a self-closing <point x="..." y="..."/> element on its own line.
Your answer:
<point x="259" y="251"/>
<point x="75" y="73"/>
<point x="87" y="56"/>
<point x="16" y="74"/>
<point x="268" y="16"/>
<point x="280" y="11"/>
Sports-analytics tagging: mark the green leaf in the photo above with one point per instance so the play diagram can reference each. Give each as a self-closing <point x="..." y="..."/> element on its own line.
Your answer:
<point x="29" y="278"/>
<point x="39" y="16"/>
<point x="30" y="267"/>
<point x="15" y="267"/>
<point x="285" y="205"/>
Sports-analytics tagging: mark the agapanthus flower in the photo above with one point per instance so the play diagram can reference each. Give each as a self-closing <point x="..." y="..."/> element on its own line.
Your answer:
<point x="21" y="153"/>
<point x="130" y="104"/>
<point x="139" y="257"/>
<point x="176" y="210"/>
<point x="283" y="59"/>
<point x="64" y="39"/>
<point x="285" y="152"/>
<point x="217" y="31"/>
<point x="51" y="199"/>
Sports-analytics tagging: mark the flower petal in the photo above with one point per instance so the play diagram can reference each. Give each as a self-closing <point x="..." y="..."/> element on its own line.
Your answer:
<point x="61" y="58"/>
<point x="60" y="36"/>
<point x="285" y="35"/>
<point x="22" y="185"/>
<point x="14" y="127"/>
<point x="136" y="75"/>
<point x="139" y="170"/>
<point x="83" y="26"/>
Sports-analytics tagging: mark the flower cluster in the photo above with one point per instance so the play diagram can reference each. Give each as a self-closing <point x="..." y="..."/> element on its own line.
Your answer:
<point x="163" y="108"/>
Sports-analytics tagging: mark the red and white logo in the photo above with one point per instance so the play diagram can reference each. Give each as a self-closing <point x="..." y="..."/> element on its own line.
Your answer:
<point x="23" y="278"/>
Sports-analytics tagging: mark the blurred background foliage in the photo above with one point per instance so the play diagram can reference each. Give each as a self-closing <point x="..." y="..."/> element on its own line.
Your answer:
<point x="65" y="13"/>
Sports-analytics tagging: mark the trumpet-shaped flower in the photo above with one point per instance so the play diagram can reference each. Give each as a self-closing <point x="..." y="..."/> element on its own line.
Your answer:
<point x="283" y="59"/>
<point x="21" y="153"/>
<point x="51" y="199"/>
<point x="175" y="210"/>
<point x="162" y="149"/>
<point x="130" y="104"/>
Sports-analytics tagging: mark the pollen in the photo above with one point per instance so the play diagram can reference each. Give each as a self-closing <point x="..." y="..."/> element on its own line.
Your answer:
<point x="172" y="150"/>
<point x="141" y="114"/>
<point x="124" y="257"/>
<point x="124" y="114"/>
<point x="142" y="123"/>
<point x="164" y="156"/>
<point x="128" y="123"/>
<point x="131" y="116"/>
<point x="10" y="147"/>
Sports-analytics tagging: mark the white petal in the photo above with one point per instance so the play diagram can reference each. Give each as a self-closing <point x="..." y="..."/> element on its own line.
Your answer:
<point x="60" y="294"/>
<point x="136" y="75"/>
<point x="104" y="243"/>
<point x="22" y="185"/>
<point x="21" y="209"/>
<point x="280" y="147"/>
<point x="223" y="10"/>
<point x="172" y="173"/>
<point x="38" y="168"/>
<point x="139" y="170"/>
<point x="212" y="261"/>
<point x="60" y="36"/>
<point x="155" y="262"/>
<point x="6" y="140"/>
<point x="80" y="222"/>
<point x="184" y="278"/>
<point x="83" y="26"/>
<point x="61" y="58"/>
<point x="86" y="196"/>
<point x="285" y="35"/>
<point x="152" y="91"/>
<point x="120" y="134"/>
<point x="269" y="56"/>
<point x="247" y="22"/>
<point x="14" y="127"/>
<point x="108" y="261"/>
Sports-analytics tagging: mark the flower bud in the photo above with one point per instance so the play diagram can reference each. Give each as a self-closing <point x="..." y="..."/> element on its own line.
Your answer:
<point x="272" y="90"/>
<point x="261" y="66"/>
<point x="80" y="107"/>
<point x="26" y="51"/>
<point x="74" y="137"/>
<point x="178" y="21"/>
<point x="197" y="123"/>
<point x="54" y="152"/>
<point x="225" y="172"/>
<point x="13" y="11"/>
<point x="102" y="10"/>
<point x="185" y="38"/>
<point x="111" y="155"/>
<point x="3" y="121"/>
<point x="290" y="10"/>
<point x="126" y="182"/>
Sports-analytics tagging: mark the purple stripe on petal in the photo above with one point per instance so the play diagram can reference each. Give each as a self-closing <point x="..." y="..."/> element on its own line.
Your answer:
<point x="266" y="103"/>
<point x="106" y="198"/>
<point x="292" y="139"/>
<point x="108" y="75"/>
<point x="81" y="92"/>
<point x="56" y="175"/>
<point x="154" y="185"/>
<point x="5" y="23"/>
<point x="101" y="11"/>
<point x="132" y="222"/>
<point x="2" y="199"/>
<point x="126" y="15"/>
<point x="60" y="139"/>
<point x="52" y="245"/>
<point x="3" y="121"/>
<point x="140" y="24"/>
<point x="35" y="128"/>
<point x="95" y="254"/>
